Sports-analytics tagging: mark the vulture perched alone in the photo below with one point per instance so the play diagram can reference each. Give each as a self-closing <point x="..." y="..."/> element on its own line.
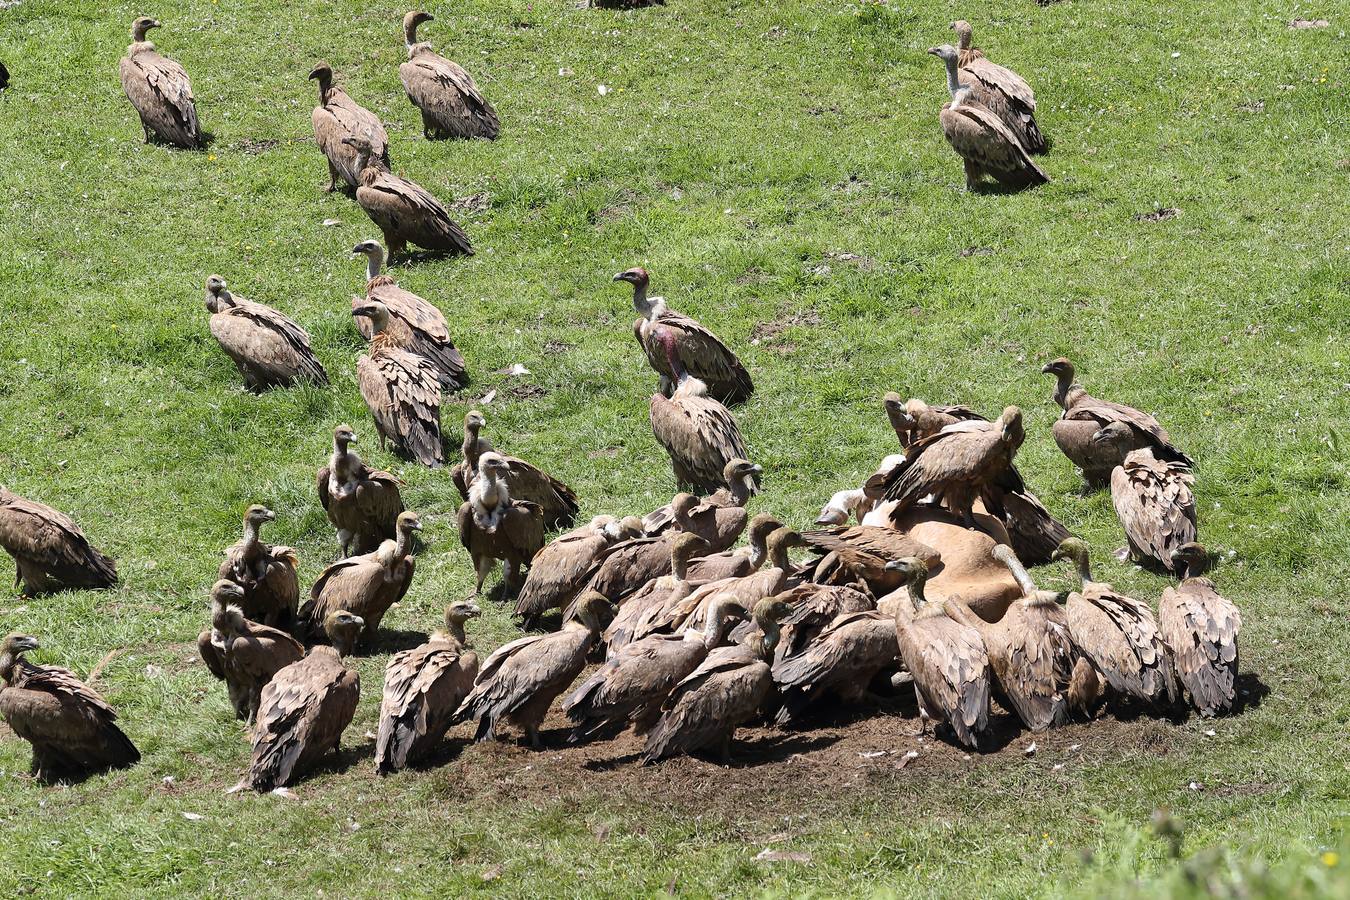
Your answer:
<point x="403" y="210"/>
<point x="495" y="526"/>
<point x="338" y="116"/>
<point x="304" y="710"/>
<point x="841" y="662"/>
<point x="451" y="104"/>
<point x="1001" y="90"/>
<point x="728" y="689"/>
<point x="979" y="136"/>
<point x="422" y="689"/>
<point x="268" y="348"/>
<point x="159" y="89"/>
<point x="73" y="731"/>
<point x="367" y="585"/>
<point x="1201" y="628"/>
<point x="519" y="680"/>
<point x="402" y="391"/>
<point x="265" y="574"/>
<point x="362" y="503"/>
<point x="1153" y="501"/>
<point x="561" y="569"/>
<point x="699" y="433"/>
<point x="414" y="324"/>
<point x="1119" y="635"/>
<point x="1085" y="415"/>
<point x="946" y="658"/>
<point x="676" y="344"/>
<point x="721" y="506"/>
<point x="243" y="654"/>
<point x="558" y="502"/>
<point x="50" y="551"/>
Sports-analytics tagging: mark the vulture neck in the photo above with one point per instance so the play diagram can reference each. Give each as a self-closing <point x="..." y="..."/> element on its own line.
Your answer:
<point x="9" y="664"/>
<point x="679" y="566"/>
<point x="470" y="447"/>
<point x="403" y="546"/>
<point x="740" y="491"/>
<point x="758" y="550"/>
<point x="141" y="46"/>
<point x="1084" y="567"/>
<point x="954" y="84"/>
<point x="778" y="557"/>
<point x="325" y="89"/>
<point x="374" y="261"/>
<point x="249" y="543"/>
<point x="1022" y="577"/>
<point x="916" y="588"/>
<point x="769" y="640"/>
<point x="1064" y="389"/>
<point x="712" y="629"/>
<point x="410" y="40"/>
<point x="649" y="308"/>
<point x="454" y="629"/>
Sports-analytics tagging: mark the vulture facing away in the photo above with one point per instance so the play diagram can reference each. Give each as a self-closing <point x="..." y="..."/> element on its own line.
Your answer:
<point x="366" y="586"/>
<point x="649" y="597"/>
<point x="561" y="569"/>
<point x="700" y="435"/>
<point x="1153" y="501"/>
<point x="73" y="731"/>
<point x="495" y="526"/>
<point x="50" y="551"/>
<point x="362" y="503"/>
<point x="1201" y="628"/>
<point x="403" y="210"/>
<point x="558" y="502"/>
<point x="243" y="654"/>
<point x="676" y="344"/>
<point x="451" y="104"/>
<point x="268" y="348"/>
<point x="402" y="391"/>
<point x="339" y="116"/>
<point x="913" y="419"/>
<point x="1001" y="90"/>
<point x="841" y="662"/>
<point x="265" y="574"/>
<point x="159" y="89"/>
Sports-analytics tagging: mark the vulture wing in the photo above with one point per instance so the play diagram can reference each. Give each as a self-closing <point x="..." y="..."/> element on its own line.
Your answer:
<point x="404" y="396"/>
<point x="1201" y="627"/>
<point x="701" y="436"/>
<point x="1154" y="503"/>
<point x="402" y="207"/>
<point x="1120" y="636"/>
<point x="981" y="137"/>
<point x="448" y="97"/>
<point x="344" y="117"/>
<point x="1104" y="412"/>
<point x="706" y="357"/>
<point x="35" y="532"/>
<point x="159" y="89"/>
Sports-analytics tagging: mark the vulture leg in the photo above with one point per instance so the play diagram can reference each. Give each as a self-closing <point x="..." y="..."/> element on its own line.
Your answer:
<point x="484" y="732"/>
<point x="332" y="178"/>
<point x="532" y="733"/>
<point x="483" y="567"/>
<point x="972" y="176"/>
<point x="726" y="750"/>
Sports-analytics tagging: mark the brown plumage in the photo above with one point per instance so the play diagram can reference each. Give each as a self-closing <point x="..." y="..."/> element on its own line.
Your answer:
<point x="495" y="526"/>
<point x="304" y="710"/>
<point x="700" y="435"/>
<point x="405" y="212"/>
<point x="50" y="551"/>
<point x="71" y="728"/>
<point x="519" y="680"/>
<point x="561" y="569"/>
<point x="339" y="116"/>
<point x="422" y="689"/>
<point x="742" y="483"/>
<point x="558" y="502"/>
<point x="1201" y="628"/>
<point x="720" y="526"/>
<point x="814" y="607"/>
<point x="914" y="419"/>
<point x="728" y="688"/>
<point x="268" y="348"/>
<point x="402" y="391"/>
<point x="967" y="567"/>
<point x="362" y="503"/>
<point x="840" y="663"/>
<point x="266" y="574"/>
<point x="366" y="585"/>
<point x="860" y="553"/>
<point x="676" y="345"/>
<point x="946" y="658"/>
<point x="986" y="145"/>
<point x="650" y="599"/>
<point x="1153" y="501"/>
<point x="159" y="89"/>
<point x="243" y="654"/>
<point x="451" y="104"/>
<point x="1119" y="635"/>
<point x="1001" y="90"/>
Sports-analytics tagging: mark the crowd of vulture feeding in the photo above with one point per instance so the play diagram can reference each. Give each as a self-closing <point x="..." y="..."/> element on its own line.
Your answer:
<point x="918" y="576"/>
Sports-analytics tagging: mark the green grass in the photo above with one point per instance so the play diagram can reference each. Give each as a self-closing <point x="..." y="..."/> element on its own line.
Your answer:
<point x="741" y="147"/>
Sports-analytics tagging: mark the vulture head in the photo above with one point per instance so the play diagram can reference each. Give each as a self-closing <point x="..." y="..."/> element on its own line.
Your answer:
<point x="779" y="542"/>
<point x="493" y="466"/>
<point x="962" y="29"/>
<point x="1004" y="554"/>
<point x="630" y="527"/>
<point x="141" y="26"/>
<point x="1190" y="560"/>
<point x="682" y="504"/>
<point x="474" y="421"/>
<point x="766" y="615"/>
<point x="225" y="592"/>
<point x="408" y="522"/>
<point x="606" y="527"/>
<point x="410" y="23"/>
<point x="721" y="609"/>
<point x="637" y="277"/>
<point x="343" y="437"/>
<point x="683" y="548"/>
<point x="342" y="629"/>
<point x="14" y="646"/>
<point x="364" y="149"/>
<point x="1010" y="424"/>
<point x="217" y="297"/>
<point x="461" y="611"/>
<point x="761" y="526"/>
<point x="945" y="52"/>
<point x="1115" y="435"/>
<point x="913" y="572"/>
<point x="592" y="609"/>
<point x="1076" y="551"/>
<point x="843" y="504"/>
<point x="257" y="514"/>
<point x="227" y="616"/>
<point x="742" y="470"/>
<point x="377" y="312"/>
<point x="322" y="73"/>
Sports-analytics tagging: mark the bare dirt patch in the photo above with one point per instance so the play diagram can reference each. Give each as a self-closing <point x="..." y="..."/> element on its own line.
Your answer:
<point x="769" y="333"/>
<point x="527" y="391"/>
<point x="1159" y="215"/>
<point x="256" y="148"/>
<point x="474" y="203"/>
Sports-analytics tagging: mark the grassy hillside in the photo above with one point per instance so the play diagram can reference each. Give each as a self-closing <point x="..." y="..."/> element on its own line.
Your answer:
<point x="779" y="169"/>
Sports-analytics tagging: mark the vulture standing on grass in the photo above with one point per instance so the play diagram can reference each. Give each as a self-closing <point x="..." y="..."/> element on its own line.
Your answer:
<point x="558" y="502"/>
<point x="414" y="324"/>
<point x="519" y="680"/>
<point x="860" y="553"/>
<point x="1085" y="415"/>
<point x="495" y="526"/>
<point x="700" y="435"/>
<point x="266" y="574"/>
<point x="73" y="731"/>
<point x="403" y="210"/>
<point x="362" y="503"/>
<point x="268" y="348"/>
<point x="1001" y="90"/>
<point x="1153" y="501"/>
<point x="840" y="663"/>
<point x="243" y="654"/>
<point x="742" y="483"/>
<point x="451" y="104"/>
<point x="422" y="689"/>
<point x="1201" y="627"/>
<point x="561" y="569"/>
<point x="1119" y="635"/>
<point x="676" y="344"/>
<point x="159" y="89"/>
<point x="728" y="689"/>
<point x="985" y="144"/>
<point x="946" y="658"/>
<point x="366" y="585"/>
<point x="50" y="551"/>
<point x="304" y="709"/>
<point x="650" y="599"/>
<point x="402" y="391"/>
<point x="339" y="116"/>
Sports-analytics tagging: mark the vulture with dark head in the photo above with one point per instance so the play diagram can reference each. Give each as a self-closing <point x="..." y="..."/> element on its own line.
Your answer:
<point x="1201" y="628"/>
<point x="402" y="391"/>
<point x="339" y="116"/>
<point x="1001" y="90"/>
<point x="495" y="526"/>
<point x="561" y="569"/>
<point x="721" y="509"/>
<point x="362" y="503"/>
<point x="676" y="344"/>
<point x="405" y="212"/>
<point x="451" y="104"/>
<point x="699" y="433"/>
<point x="243" y="654"/>
<point x="159" y="89"/>
<point x="73" y="731"/>
<point x="414" y="324"/>
<point x="50" y="551"/>
<point x="366" y="585"/>
<point x="266" y="574"/>
<point x="1153" y="501"/>
<point x="268" y="348"/>
<point x="558" y="502"/>
<point x="422" y="689"/>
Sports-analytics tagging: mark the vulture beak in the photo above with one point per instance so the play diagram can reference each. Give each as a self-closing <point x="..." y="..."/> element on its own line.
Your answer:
<point x="269" y="516"/>
<point x="1047" y="368"/>
<point x="415" y="526"/>
<point x="622" y="276"/>
<point x="936" y="51"/>
<point x="474" y="611"/>
<point x="894" y="565"/>
<point x="829" y="517"/>
<point x="367" y="311"/>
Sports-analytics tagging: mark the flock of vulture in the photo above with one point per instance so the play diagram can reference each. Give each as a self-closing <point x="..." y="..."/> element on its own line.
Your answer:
<point x="918" y="576"/>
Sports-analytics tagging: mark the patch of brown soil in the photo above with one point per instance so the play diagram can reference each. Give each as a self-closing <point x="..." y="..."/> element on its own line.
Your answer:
<point x="1159" y="215"/>
<point x="474" y="203"/>
<point x="766" y="332"/>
